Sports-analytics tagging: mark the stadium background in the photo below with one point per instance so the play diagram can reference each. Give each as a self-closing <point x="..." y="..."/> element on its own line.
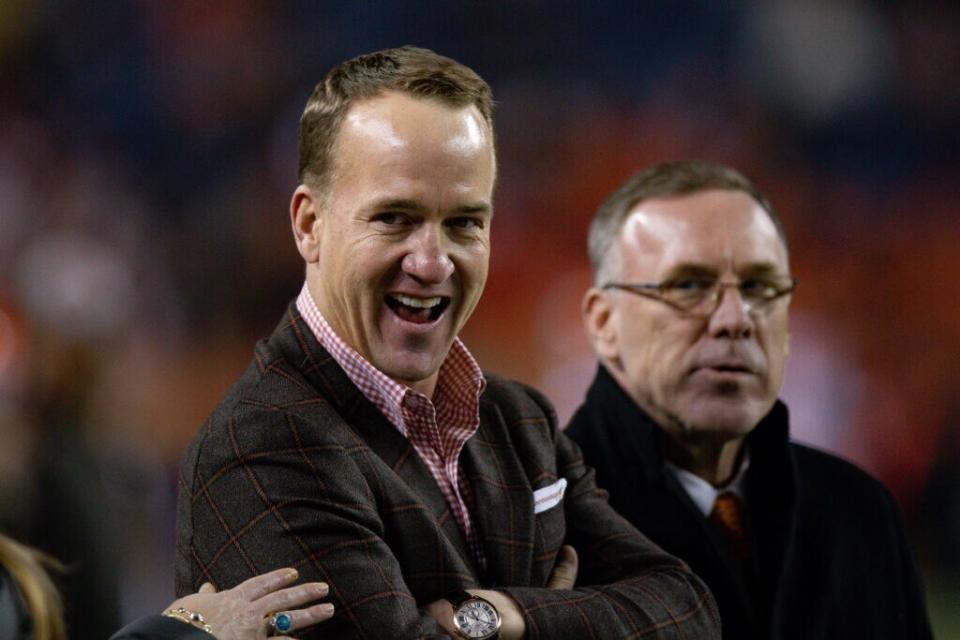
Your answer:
<point x="148" y="152"/>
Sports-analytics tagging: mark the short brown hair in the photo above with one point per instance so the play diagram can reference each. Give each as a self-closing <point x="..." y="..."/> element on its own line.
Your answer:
<point x="664" y="180"/>
<point x="412" y="70"/>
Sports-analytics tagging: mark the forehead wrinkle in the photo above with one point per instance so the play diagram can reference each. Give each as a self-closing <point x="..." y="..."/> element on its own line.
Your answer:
<point x="664" y="235"/>
<point x="743" y="252"/>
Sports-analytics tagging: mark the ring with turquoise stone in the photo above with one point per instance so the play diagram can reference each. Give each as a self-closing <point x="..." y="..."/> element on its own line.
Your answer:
<point x="281" y="623"/>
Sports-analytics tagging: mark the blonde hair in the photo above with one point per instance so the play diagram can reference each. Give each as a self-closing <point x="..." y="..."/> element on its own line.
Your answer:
<point x="28" y="568"/>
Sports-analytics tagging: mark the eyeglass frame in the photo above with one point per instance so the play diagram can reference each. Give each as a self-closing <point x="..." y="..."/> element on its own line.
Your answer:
<point x="654" y="291"/>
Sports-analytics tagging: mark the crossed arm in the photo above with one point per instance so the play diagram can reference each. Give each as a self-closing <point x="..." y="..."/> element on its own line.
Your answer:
<point x="336" y="513"/>
<point x="513" y="627"/>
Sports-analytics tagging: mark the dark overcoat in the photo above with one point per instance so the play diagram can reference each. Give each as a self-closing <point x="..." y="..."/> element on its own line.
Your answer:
<point x="828" y="553"/>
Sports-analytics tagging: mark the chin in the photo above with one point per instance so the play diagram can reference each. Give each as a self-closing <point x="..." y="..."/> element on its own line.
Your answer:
<point x="411" y="373"/>
<point x="722" y="423"/>
<point x="724" y="427"/>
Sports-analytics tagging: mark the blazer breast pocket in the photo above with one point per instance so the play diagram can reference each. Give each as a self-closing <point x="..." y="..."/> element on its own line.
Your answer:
<point x="549" y="516"/>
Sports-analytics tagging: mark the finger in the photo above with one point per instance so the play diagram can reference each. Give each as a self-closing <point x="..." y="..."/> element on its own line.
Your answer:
<point x="207" y="588"/>
<point x="292" y="597"/>
<point x="303" y="618"/>
<point x="259" y="586"/>
<point x="564" y="574"/>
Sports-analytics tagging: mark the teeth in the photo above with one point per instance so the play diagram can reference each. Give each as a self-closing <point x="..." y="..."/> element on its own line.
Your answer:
<point x="417" y="303"/>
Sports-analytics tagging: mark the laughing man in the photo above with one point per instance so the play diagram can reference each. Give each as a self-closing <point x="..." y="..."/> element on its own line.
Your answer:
<point x="364" y="446"/>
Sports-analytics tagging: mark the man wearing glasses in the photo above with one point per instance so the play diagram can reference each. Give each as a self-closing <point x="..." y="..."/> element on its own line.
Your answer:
<point x="688" y="316"/>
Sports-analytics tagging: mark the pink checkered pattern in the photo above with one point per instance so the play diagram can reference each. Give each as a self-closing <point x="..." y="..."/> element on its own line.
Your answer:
<point x="436" y="428"/>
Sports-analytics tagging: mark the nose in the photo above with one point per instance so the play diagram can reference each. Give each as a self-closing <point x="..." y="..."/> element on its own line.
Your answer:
<point x="427" y="259"/>
<point x="731" y="319"/>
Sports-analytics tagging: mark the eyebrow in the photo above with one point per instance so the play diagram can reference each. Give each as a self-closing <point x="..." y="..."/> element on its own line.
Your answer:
<point x="480" y="207"/>
<point x="696" y="268"/>
<point x="762" y="269"/>
<point x="406" y="204"/>
<point x="691" y="268"/>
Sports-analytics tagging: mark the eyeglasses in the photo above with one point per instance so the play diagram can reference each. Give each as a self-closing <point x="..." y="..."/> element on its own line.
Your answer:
<point x="701" y="295"/>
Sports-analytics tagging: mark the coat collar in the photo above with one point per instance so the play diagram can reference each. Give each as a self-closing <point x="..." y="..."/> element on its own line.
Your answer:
<point x="629" y="438"/>
<point x="638" y="437"/>
<point x="635" y="434"/>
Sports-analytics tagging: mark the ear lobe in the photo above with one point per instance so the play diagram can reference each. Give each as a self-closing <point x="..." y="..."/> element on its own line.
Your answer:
<point x="599" y="322"/>
<point x="305" y="220"/>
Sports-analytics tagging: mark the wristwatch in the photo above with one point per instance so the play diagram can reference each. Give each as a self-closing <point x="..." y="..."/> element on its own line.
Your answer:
<point x="474" y="617"/>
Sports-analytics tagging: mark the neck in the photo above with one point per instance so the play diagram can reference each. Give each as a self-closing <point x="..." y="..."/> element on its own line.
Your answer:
<point x="427" y="387"/>
<point x="717" y="462"/>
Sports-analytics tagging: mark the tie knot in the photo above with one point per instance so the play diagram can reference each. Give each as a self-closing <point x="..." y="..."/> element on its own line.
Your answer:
<point x="727" y="515"/>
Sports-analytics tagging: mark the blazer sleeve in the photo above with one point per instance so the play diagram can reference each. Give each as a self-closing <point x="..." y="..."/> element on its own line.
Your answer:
<point x="160" y="628"/>
<point x="266" y="489"/>
<point x="627" y="587"/>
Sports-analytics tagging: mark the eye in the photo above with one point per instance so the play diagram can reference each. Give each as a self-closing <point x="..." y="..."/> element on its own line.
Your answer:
<point x="758" y="288"/>
<point x="465" y="223"/>
<point x="391" y="218"/>
<point x="689" y="285"/>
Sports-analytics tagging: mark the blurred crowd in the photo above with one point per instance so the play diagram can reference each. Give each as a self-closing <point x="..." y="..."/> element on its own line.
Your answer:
<point x="148" y="153"/>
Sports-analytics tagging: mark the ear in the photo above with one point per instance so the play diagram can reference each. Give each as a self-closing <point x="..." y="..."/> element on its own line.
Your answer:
<point x="600" y="322"/>
<point x="305" y="219"/>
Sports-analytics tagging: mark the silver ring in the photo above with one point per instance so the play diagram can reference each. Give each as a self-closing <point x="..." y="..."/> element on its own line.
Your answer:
<point x="281" y="623"/>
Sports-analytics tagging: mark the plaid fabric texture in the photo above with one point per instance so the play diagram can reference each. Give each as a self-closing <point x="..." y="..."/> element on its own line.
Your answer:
<point x="437" y="429"/>
<point x="298" y="468"/>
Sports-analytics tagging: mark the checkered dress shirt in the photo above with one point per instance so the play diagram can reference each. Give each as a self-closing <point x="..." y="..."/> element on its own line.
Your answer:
<point x="436" y="428"/>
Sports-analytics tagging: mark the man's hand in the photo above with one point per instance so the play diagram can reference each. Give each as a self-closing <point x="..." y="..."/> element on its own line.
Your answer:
<point x="512" y="627"/>
<point x="241" y="613"/>
<point x="564" y="574"/>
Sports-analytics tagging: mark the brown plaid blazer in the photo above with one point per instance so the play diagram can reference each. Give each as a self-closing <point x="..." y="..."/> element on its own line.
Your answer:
<point x="297" y="468"/>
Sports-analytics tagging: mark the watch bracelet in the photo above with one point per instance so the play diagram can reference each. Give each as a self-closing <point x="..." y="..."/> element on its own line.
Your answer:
<point x="190" y="617"/>
<point x="458" y="597"/>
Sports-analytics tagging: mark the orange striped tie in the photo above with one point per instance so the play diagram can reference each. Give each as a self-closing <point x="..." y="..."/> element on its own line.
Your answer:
<point x="727" y="515"/>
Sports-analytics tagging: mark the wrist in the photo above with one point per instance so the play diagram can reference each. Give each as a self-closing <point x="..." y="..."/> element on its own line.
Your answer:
<point x="189" y="617"/>
<point x="474" y="617"/>
<point x="512" y="624"/>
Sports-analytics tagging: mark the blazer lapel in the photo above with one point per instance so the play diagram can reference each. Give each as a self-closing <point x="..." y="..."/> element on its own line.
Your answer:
<point x="372" y="428"/>
<point x="499" y="483"/>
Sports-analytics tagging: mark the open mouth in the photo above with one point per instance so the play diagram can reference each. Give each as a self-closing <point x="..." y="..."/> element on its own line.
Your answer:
<point x="417" y="310"/>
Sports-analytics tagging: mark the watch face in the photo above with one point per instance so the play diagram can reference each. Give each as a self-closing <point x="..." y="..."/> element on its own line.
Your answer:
<point x="477" y="618"/>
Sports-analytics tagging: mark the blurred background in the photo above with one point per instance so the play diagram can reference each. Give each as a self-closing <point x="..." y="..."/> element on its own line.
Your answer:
<point x="148" y="154"/>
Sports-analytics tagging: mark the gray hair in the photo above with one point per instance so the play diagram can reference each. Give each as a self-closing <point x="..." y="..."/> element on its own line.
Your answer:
<point x="661" y="180"/>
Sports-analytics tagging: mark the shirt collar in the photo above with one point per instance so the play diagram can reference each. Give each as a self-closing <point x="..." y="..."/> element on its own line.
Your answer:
<point x="704" y="494"/>
<point x="460" y="379"/>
